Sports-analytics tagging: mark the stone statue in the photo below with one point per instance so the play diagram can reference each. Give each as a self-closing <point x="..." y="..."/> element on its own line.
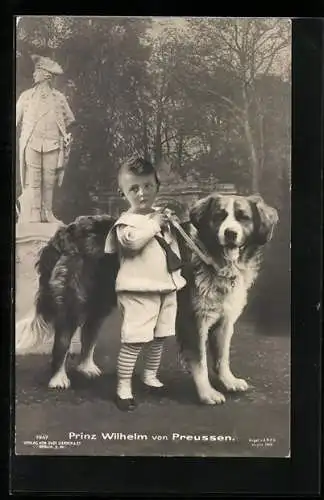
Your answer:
<point x="44" y="144"/>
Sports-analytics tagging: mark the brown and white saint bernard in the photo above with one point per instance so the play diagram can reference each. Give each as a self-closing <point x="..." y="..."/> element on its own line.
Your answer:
<point x="77" y="288"/>
<point x="232" y="231"/>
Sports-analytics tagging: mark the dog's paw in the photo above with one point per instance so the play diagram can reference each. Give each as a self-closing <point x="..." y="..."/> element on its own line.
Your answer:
<point x="233" y="384"/>
<point x="59" y="381"/>
<point x="89" y="369"/>
<point x="210" y="396"/>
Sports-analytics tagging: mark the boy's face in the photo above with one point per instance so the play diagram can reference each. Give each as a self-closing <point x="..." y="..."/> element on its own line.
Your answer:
<point x="139" y="190"/>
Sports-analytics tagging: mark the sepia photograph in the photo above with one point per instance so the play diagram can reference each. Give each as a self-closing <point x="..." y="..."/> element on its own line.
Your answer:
<point x="152" y="236"/>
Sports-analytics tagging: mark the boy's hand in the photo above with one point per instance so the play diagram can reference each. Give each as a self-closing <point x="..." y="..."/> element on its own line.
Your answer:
<point x="161" y="219"/>
<point x="172" y="215"/>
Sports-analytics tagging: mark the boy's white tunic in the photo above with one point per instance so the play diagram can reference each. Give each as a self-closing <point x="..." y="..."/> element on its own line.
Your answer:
<point x="143" y="266"/>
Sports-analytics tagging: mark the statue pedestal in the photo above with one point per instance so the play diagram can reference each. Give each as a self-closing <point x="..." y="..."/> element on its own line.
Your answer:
<point x="28" y="232"/>
<point x="30" y="239"/>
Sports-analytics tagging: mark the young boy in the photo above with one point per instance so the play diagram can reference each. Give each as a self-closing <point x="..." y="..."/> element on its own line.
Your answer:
<point x="147" y="281"/>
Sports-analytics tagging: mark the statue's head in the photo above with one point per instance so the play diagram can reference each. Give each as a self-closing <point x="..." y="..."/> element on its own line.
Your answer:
<point x="40" y="75"/>
<point x="45" y="68"/>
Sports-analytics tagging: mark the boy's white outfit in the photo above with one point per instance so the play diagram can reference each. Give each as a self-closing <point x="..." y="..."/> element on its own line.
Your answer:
<point x="145" y="288"/>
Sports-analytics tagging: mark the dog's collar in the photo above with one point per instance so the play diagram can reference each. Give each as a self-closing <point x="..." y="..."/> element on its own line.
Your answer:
<point x="229" y="264"/>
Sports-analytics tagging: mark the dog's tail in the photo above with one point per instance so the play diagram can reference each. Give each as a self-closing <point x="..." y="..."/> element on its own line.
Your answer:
<point x="34" y="335"/>
<point x="35" y="332"/>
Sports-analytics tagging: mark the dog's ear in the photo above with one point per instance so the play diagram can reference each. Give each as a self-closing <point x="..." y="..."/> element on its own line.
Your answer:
<point x="265" y="219"/>
<point x="199" y="211"/>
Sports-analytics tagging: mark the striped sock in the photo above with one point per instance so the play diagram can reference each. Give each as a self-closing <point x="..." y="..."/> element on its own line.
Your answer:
<point x="152" y="363"/>
<point x="125" y="366"/>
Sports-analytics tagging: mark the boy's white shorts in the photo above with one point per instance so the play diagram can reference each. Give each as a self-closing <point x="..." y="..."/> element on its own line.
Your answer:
<point x="146" y="315"/>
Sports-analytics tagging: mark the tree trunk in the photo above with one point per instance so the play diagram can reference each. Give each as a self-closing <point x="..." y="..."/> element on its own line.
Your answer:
<point x="262" y="152"/>
<point x="145" y="139"/>
<point x="253" y="157"/>
<point x="158" y="140"/>
<point x="180" y="150"/>
<point x="251" y="147"/>
<point x="167" y="140"/>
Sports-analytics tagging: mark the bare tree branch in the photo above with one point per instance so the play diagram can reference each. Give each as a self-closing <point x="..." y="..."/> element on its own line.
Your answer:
<point x="270" y="54"/>
<point x="265" y="40"/>
<point x="222" y="37"/>
<point x="236" y="36"/>
<point x="168" y="138"/>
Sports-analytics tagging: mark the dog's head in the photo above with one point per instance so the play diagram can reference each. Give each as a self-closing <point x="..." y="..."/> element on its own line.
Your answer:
<point x="231" y="223"/>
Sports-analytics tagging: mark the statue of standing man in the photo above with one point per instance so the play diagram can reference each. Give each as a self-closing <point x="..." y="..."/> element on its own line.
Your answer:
<point x="44" y="144"/>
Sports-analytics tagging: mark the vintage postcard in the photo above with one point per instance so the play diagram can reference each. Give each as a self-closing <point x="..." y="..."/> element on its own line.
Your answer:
<point x="152" y="296"/>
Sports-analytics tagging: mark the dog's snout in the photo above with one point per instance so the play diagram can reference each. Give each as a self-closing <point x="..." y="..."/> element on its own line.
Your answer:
<point x="230" y="235"/>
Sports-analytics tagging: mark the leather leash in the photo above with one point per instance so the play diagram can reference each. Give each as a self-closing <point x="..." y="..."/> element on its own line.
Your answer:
<point x="206" y="259"/>
<point x="191" y="244"/>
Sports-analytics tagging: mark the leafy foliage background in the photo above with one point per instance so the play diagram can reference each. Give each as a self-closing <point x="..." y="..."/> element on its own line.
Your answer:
<point x="202" y="97"/>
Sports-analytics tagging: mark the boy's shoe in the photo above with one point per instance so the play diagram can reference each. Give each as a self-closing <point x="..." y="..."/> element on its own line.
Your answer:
<point x="156" y="391"/>
<point x="125" y="404"/>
